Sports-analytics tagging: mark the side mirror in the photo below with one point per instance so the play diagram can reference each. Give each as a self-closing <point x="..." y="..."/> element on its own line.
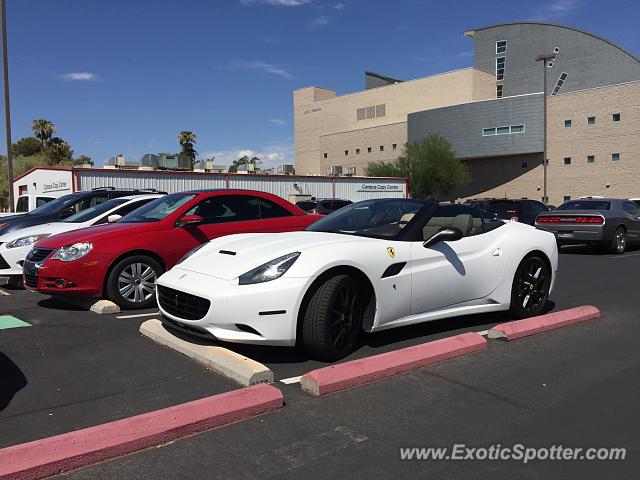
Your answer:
<point x="67" y="212"/>
<point x="190" y="220"/>
<point x="450" y="234"/>
<point x="113" y="218"/>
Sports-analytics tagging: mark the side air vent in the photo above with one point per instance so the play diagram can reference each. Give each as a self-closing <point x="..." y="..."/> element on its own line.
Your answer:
<point x="227" y="252"/>
<point x="393" y="270"/>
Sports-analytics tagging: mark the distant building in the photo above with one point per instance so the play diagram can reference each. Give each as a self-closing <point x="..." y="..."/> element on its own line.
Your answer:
<point x="492" y="114"/>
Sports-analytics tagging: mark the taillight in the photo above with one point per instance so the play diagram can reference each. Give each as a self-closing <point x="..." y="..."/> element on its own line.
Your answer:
<point x="578" y="219"/>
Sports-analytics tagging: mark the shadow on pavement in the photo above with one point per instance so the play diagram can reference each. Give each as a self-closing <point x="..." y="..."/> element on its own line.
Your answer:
<point x="12" y="380"/>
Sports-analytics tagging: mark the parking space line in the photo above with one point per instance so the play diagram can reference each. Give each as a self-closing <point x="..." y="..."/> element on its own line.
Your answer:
<point x="139" y="315"/>
<point x="4" y="292"/>
<point x="289" y="381"/>
<point x="626" y="255"/>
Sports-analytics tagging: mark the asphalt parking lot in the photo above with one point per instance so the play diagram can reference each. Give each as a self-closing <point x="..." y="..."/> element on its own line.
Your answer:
<point x="574" y="386"/>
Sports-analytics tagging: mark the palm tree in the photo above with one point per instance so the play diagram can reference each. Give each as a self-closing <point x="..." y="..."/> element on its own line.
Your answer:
<point x="43" y="130"/>
<point x="187" y="139"/>
<point x="59" y="151"/>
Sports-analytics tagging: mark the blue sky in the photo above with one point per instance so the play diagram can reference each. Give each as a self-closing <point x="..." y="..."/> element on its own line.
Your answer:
<point x="126" y="76"/>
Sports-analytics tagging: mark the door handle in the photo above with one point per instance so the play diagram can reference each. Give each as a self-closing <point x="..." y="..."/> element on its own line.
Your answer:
<point x="497" y="252"/>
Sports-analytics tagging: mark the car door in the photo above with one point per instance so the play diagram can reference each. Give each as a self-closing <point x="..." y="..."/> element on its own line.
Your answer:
<point x="449" y="273"/>
<point x="632" y="213"/>
<point x="222" y="215"/>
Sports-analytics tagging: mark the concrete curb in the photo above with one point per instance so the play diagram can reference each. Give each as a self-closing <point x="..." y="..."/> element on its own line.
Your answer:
<point x="366" y="370"/>
<point x="53" y="455"/>
<point x="101" y="307"/>
<point x="543" y="323"/>
<point x="221" y="360"/>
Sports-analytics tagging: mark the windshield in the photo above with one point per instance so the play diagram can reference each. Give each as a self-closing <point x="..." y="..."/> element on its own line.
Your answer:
<point x="585" y="205"/>
<point x="93" y="212"/>
<point x="158" y="209"/>
<point x="370" y="218"/>
<point x="57" y="204"/>
<point x="505" y="210"/>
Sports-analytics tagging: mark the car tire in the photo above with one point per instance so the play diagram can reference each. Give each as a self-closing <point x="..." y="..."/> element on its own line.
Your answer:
<point x="332" y="320"/>
<point x="619" y="241"/>
<point x="530" y="290"/>
<point x="131" y="282"/>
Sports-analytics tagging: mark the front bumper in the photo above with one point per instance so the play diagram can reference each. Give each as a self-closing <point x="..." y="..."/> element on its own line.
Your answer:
<point x="11" y="260"/>
<point x="262" y="314"/>
<point x="84" y="277"/>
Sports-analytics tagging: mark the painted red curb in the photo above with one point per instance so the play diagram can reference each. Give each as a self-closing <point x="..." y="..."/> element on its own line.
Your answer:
<point x="53" y="455"/>
<point x="366" y="370"/>
<point x="543" y="323"/>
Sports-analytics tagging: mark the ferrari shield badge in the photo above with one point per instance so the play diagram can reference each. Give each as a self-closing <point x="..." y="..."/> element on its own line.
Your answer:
<point x="391" y="251"/>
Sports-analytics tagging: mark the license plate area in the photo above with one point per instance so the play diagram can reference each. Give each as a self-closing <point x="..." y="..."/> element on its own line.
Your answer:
<point x="565" y="234"/>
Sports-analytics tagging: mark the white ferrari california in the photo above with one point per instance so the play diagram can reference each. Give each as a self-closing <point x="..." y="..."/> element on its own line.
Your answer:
<point x="370" y="266"/>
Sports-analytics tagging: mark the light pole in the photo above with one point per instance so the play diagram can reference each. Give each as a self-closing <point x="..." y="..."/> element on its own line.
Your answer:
<point x="7" y="111"/>
<point x="545" y="58"/>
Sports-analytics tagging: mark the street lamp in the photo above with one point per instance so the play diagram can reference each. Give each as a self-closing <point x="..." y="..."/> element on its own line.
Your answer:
<point x="545" y="58"/>
<point x="7" y="112"/>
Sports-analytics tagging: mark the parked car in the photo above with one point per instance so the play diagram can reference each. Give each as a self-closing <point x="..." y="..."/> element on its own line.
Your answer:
<point x="27" y="203"/>
<point x="65" y="206"/>
<point x="324" y="206"/>
<point x="15" y="245"/>
<point x="373" y="265"/>
<point x="122" y="260"/>
<point x="607" y="222"/>
<point x="636" y="201"/>
<point x="519" y="210"/>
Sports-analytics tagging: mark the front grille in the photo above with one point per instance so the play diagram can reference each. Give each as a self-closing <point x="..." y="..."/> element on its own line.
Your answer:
<point x="3" y="264"/>
<point x="181" y="304"/>
<point x="31" y="281"/>
<point x="39" y="254"/>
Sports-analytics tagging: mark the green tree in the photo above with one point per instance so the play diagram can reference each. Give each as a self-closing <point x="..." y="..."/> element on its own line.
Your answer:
<point x="59" y="151"/>
<point x="245" y="160"/>
<point x="43" y="130"/>
<point x="83" y="160"/>
<point x="187" y="141"/>
<point x="26" y="147"/>
<point x="430" y="166"/>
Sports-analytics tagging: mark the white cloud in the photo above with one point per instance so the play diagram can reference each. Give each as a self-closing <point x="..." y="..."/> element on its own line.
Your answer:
<point x="339" y="6"/>
<point x="271" y="155"/>
<point x="555" y="9"/>
<point x="319" y="22"/>
<point x="80" y="76"/>
<point x="277" y="121"/>
<point x="260" y="65"/>
<point x="277" y="3"/>
<point x="465" y="54"/>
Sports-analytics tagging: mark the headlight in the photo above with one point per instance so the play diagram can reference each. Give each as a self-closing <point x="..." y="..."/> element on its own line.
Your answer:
<point x="25" y="241"/>
<point x="270" y="270"/>
<point x="73" y="252"/>
<point x="190" y="252"/>
<point x="2" y="225"/>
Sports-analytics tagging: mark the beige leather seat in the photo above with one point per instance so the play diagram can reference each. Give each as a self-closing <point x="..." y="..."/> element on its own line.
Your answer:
<point x="406" y="218"/>
<point x="464" y="222"/>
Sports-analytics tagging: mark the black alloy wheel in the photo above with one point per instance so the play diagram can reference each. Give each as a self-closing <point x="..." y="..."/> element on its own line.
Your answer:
<point x="530" y="289"/>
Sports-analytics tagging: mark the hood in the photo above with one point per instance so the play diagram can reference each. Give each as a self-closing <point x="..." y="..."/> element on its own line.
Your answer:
<point x="245" y="252"/>
<point x="96" y="233"/>
<point x="52" y="228"/>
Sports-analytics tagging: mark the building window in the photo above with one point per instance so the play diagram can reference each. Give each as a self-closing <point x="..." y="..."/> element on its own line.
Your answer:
<point x="502" y="130"/>
<point x="394" y="146"/>
<point x="559" y="83"/>
<point x="382" y="148"/>
<point x="615" y="157"/>
<point x="615" y="117"/>
<point x="499" y="91"/>
<point x="567" y="124"/>
<point x="567" y="198"/>
<point x="517" y="128"/>
<point x="357" y="151"/>
<point x="501" y="46"/>
<point x="500" y="61"/>
<point x="591" y="120"/>
<point x="368" y="149"/>
<point x="567" y="160"/>
<point x="326" y="155"/>
<point x="346" y="153"/>
<point x="488" y="131"/>
<point x="370" y="112"/>
<point x="373" y="111"/>
<point x="360" y="112"/>
<point x="381" y="110"/>
<point x="591" y="159"/>
<point x="525" y="165"/>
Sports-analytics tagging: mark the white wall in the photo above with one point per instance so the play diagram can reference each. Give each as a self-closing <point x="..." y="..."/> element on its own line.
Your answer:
<point x="53" y="183"/>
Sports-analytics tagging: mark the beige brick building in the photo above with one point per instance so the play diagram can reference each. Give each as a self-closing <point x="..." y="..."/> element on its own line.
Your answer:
<point x="492" y="114"/>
